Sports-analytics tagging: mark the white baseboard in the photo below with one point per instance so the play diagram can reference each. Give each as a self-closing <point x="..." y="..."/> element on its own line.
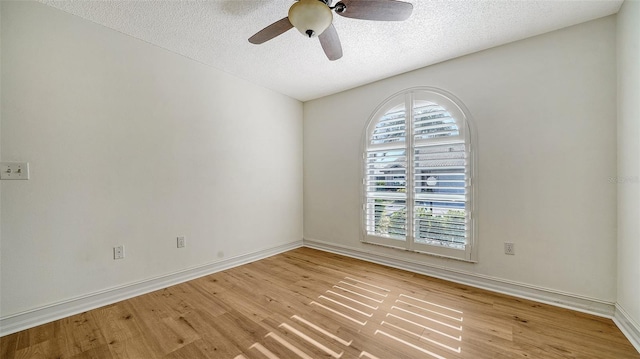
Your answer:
<point x="28" y="319"/>
<point x="516" y="289"/>
<point x="31" y="318"/>
<point x="628" y="326"/>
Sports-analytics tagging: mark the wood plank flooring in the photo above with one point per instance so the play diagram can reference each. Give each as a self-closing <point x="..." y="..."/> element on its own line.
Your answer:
<point x="311" y="304"/>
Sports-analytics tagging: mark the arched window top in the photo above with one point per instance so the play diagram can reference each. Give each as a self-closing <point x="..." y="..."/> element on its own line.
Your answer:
<point x="433" y="121"/>
<point x="418" y="170"/>
<point x="436" y="115"/>
<point x="390" y="127"/>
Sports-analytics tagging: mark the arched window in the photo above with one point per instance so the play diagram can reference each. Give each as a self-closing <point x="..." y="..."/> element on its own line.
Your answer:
<point x="418" y="171"/>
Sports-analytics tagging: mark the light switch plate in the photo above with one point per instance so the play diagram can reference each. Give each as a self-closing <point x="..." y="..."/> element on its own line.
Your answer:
<point x="14" y="170"/>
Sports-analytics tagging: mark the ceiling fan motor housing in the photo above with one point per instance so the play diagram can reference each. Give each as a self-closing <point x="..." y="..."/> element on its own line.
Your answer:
<point x="310" y="17"/>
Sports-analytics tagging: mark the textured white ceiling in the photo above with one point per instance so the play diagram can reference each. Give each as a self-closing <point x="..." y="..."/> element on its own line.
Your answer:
<point x="215" y="32"/>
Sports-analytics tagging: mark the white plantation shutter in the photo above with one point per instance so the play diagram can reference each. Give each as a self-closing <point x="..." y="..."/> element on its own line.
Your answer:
<point x="390" y="128"/>
<point x="386" y="177"/>
<point x="417" y="180"/>
<point x="386" y="193"/>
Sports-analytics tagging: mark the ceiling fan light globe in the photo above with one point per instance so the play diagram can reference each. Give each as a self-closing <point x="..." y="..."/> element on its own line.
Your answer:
<point x="312" y="15"/>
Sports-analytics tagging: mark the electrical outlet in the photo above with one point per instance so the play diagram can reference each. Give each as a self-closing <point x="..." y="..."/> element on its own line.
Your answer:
<point x="182" y="242"/>
<point x="509" y="248"/>
<point x="118" y="252"/>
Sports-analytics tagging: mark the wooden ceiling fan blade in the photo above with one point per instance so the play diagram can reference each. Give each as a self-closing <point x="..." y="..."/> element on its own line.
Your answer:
<point x="331" y="43"/>
<point x="277" y="28"/>
<point x="381" y="10"/>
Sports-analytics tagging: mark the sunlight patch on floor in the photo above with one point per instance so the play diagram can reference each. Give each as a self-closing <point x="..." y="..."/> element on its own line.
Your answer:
<point x="404" y="323"/>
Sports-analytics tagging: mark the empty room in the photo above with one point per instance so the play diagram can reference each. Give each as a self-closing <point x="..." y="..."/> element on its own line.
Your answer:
<point x="375" y="179"/>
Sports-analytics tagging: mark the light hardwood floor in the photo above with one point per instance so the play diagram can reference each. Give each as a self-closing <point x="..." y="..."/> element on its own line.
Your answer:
<point x="310" y="304"/>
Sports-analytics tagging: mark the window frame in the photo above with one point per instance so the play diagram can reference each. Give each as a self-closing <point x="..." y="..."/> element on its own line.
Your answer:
<point x="457" y="111"/>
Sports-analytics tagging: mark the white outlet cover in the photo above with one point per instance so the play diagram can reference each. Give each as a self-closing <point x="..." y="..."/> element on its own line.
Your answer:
<point x="118" y="252"/>
<point x="509" y="248"/>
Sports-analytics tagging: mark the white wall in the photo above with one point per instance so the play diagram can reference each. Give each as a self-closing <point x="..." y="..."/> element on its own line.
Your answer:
<point x="628" y="179"/>
<point x="545" y="113"/>
<point x="131" y="144"/>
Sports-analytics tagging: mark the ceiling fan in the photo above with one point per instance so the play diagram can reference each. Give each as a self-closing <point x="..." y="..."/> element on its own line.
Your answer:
<point x="314" y="18"/>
